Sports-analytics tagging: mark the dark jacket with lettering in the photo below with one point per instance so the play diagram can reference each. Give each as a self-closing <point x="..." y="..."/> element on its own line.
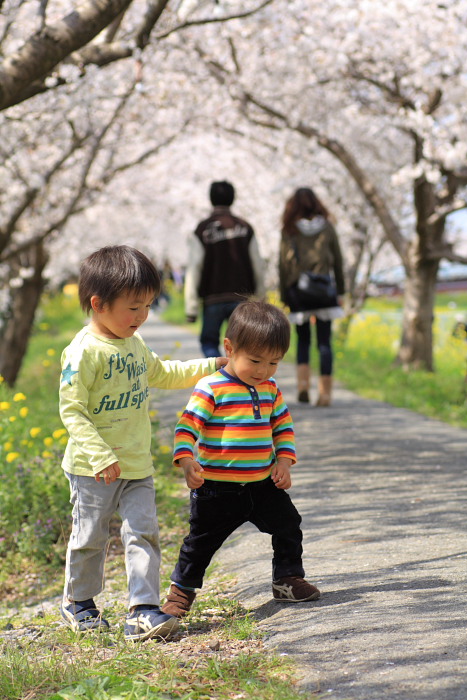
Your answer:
<point x="224" y="262"/>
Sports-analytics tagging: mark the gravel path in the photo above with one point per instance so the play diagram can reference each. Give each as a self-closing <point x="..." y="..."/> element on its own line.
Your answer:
<point x="382" y="493"/>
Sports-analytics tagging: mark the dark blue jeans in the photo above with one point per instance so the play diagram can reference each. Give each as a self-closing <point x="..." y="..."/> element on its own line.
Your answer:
<point x="214" y="316"/>
<point x="217" y="509"/>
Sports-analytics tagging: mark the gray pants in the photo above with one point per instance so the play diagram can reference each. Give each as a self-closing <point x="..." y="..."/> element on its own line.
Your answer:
<point x="94" y="504"/>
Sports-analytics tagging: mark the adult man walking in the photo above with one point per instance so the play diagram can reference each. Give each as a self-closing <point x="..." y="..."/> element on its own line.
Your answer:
<point x="224" y="267"/>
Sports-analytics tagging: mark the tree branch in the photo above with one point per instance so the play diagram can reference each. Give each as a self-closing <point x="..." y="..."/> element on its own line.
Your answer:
<point x="442" y="213"/>
<point x="448" y="254"/>
<point x="113" y="28"/>
<point x="100" y="54"/>
<point x="31" y="193"/>
<point x="434" y="100"/>
<point x="212" y="20"/>
<point x="23" y="74"/>
<point x="337" y="149"/>
<point x="151" y="17"/>
<point x="392" y="91"/>
<point x="48" y="47"/>
<point x="75" y="204"/>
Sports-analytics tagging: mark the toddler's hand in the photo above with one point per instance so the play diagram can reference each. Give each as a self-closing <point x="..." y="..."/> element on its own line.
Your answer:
<point x="281" y="474"/>
<point x="192" y="472"/>
<point x="109" y="474"/>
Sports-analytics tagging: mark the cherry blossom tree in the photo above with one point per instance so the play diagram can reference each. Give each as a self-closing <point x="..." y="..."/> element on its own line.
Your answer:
<point x="84" y="161"/>
<point x="76" y="133"/>
<point x="379" y="85"/>
<point x="361" y="99"/>
<point x="40" y="41"/>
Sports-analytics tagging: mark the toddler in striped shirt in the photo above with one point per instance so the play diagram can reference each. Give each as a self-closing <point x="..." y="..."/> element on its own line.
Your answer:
<point x="242" y="427"/>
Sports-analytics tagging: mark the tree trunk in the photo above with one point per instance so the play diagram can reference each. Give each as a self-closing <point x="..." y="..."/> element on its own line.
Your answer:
<point x="416" y="348"/>
<point x="15" y="333"/>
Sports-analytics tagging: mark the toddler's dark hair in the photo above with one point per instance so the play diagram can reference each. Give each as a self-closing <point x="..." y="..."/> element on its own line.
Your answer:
<point x="113" y="271"/>
<point x="256" y="326"/>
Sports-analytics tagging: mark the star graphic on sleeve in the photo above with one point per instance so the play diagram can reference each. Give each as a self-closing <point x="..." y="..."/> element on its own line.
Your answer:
<point x="68" y="373"/>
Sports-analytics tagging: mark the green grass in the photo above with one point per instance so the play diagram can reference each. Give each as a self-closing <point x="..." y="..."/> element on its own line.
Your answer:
<point x="220" y="653"/>
<point x="59" y="664"/>
<point x="365" y="360"/>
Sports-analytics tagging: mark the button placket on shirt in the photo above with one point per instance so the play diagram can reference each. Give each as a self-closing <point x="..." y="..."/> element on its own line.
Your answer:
<point x="256" y="405"/>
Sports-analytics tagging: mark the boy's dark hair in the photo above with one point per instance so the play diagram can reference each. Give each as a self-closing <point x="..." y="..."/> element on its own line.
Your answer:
<point x="256" y="326"/>
<point x="222" y="194"/>
<point x="115" y="270"/>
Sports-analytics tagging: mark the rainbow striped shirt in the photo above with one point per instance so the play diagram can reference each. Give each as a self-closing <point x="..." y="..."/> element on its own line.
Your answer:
<point x="240" y="429"/>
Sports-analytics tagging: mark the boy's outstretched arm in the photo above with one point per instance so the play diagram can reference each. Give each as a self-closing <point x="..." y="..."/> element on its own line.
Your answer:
<point x="192" y="471"/>
<point x="281" y="473"/>
<point x="175" y="374"/>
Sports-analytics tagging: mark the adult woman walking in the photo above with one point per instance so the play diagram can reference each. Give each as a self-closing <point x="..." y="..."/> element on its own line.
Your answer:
<point x="309" y="244"/>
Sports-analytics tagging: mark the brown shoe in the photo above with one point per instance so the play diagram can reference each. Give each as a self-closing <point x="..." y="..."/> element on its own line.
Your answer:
<point x="179" y="601"/>
<point x="293" y="589"/>
<point x="324" y="390"/>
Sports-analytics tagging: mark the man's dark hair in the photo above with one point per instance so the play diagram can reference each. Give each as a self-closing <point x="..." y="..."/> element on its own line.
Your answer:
<point x="115" y="270"/>
<point x="256" y="326"/>
<point x="222" y="194"/>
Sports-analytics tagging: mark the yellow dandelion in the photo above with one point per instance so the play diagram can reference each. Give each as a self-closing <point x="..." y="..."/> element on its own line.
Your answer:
<point x="24" y="443"/>
<point x="166" y="357"/>
<point x="4" y="405"/>
<point x="34" y="432"/>
<point x="1" y="379"/>
<point x="165" y="449"/>
<point x="70" y="290"/>
<point x="46" y="363"/>
<point x="63" y="440"/>
<point x="43" y="326"/>
<point x="178" y="344"/>
<point x="19" y="396"/>
<point x="23" y="411"/>
<point x="48" y="441"/>
<point x="8" y="445"/>
<point x="179" y="414"/>
<point x="46" y="454"/>
<point x="57" y="434"/>
<point x="12" y="419"/>
<point x="12" y="456"/>
<point x="50" y="352"/>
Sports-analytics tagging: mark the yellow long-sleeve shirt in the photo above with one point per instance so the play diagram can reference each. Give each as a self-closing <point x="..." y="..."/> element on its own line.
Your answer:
<point x="104" y="401"/>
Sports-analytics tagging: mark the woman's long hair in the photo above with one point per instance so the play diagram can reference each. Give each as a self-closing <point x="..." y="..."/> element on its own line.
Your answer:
<point x="303" y="204"/>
